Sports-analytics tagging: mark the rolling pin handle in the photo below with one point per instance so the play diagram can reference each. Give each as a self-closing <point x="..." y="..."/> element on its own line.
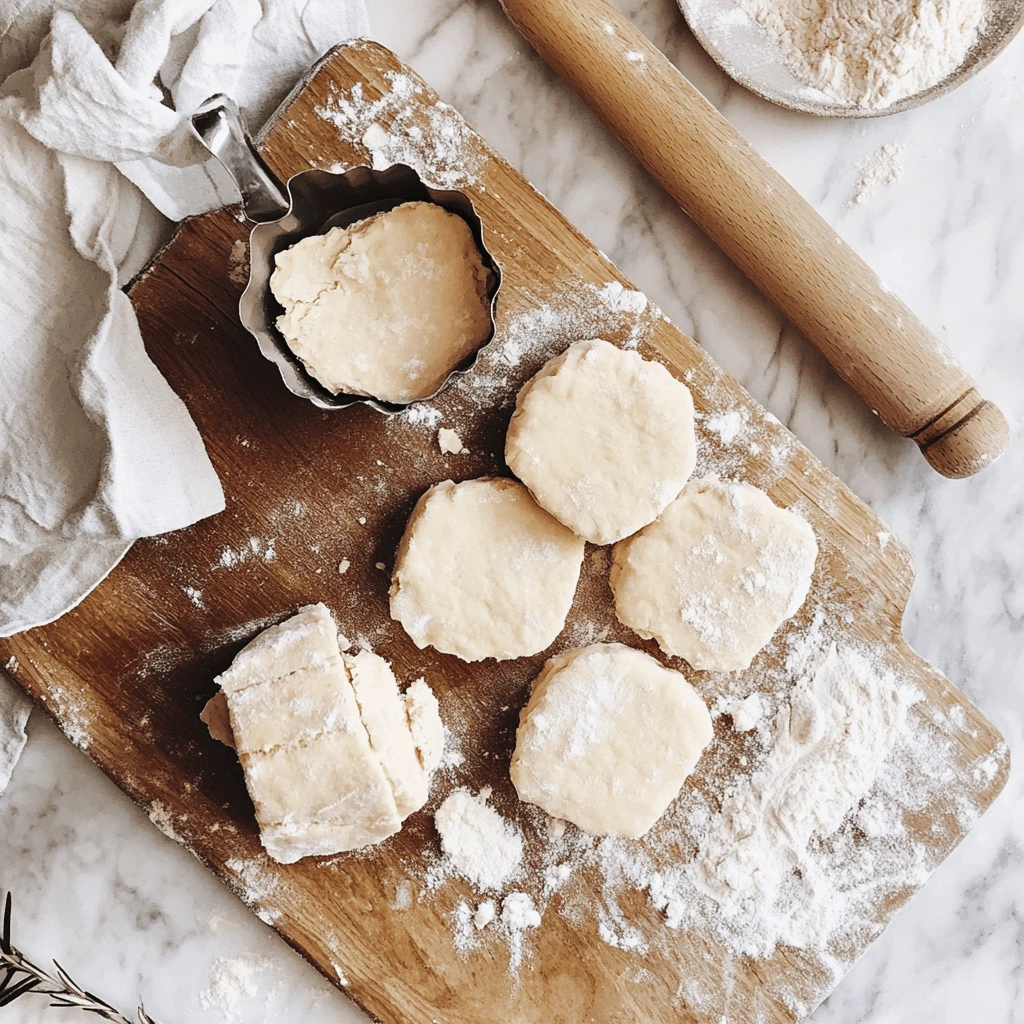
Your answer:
<point x="962" y="443"/>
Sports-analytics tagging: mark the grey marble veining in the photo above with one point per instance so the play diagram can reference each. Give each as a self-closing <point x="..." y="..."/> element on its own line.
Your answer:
<point x="133" y="913"/>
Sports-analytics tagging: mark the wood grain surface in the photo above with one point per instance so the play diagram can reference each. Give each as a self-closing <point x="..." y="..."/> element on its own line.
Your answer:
<point x="126" y="673"/>
<point x="871" y="338"/>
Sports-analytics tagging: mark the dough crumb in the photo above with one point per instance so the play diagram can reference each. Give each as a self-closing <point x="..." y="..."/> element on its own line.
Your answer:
<point x="343" y="566"/>
<point x="450" y="443"/>
<point x="484" y="914"/>
<point x="748" y="713"/>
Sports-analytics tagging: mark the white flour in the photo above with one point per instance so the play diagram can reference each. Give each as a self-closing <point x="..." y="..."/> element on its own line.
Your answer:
<point x="231" y="983"/>
<point x="478" y="843"/>
<point x="399" y="128"/>
<point x="870" y="53"/>
<point x="884" y="167"/>
<point x="827" y="748"/>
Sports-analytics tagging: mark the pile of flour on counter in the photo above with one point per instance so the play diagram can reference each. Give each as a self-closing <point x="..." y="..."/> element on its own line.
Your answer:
<point x="870" y="53"/>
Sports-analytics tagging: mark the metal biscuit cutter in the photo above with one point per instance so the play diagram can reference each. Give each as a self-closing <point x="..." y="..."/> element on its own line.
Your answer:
<point x="310" y="203"/>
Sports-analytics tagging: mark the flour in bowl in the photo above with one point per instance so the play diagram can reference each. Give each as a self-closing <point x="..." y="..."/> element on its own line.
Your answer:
<point x="870" y="53"/>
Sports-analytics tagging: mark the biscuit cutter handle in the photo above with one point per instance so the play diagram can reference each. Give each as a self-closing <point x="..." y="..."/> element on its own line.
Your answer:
<point x="769" y="231"/>
<point x="219" y="125"/>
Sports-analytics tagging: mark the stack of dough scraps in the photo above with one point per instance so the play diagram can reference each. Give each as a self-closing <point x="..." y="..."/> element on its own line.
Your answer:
<point x="334" y="756"/>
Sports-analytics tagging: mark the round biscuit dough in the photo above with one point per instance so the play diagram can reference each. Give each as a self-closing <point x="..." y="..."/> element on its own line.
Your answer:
<point x="388" y="306"/>
<point x="715" y="575"/>
<point x="607" y="739"/>
<point x="483" y="571"/>
<point x="603" y="438"/>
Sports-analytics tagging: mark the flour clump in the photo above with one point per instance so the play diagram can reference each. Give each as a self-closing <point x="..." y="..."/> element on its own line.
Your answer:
<point x="478" y="843"/>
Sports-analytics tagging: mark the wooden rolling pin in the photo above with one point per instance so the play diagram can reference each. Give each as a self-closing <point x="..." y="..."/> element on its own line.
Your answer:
<point x="790" y="253"/>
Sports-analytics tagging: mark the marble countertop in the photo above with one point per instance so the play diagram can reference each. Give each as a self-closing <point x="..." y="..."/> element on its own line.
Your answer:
<point x="133" y="914"/>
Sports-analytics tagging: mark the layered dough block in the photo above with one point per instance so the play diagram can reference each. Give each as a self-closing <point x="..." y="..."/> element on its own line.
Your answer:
<point x="335" y="757"/>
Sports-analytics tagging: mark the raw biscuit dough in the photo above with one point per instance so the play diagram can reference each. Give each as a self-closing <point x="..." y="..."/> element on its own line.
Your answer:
<point x="607" y="739"/>
<point x="603" y="439"/>
<point x="715" y="576"/>
<point x="387" y="306"/>
<point x="334" y="756"/>
<point x="483" y="571"/>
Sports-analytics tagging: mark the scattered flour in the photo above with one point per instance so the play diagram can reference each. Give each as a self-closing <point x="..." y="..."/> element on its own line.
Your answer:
<point x="255" y="548"/>
<point x="194" y="595"/>
<point x="232" y="980"/>
<point x="72" y="715"/>
<point x="421" y="415"/>
<point x="403" y="897"/>
<point x="798" y="847"/>
<point x="727" y="425"/>
<point x="432" y="139"/>
<point x="579" y="311"/>
<point x="828" y="747"/>
<point x="616" y="297"/>
<point x="884" y="167"/>
<point x="160" y="815"/>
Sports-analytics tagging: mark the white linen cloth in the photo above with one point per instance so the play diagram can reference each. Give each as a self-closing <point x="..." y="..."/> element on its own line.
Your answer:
<point x="96" y="450"/>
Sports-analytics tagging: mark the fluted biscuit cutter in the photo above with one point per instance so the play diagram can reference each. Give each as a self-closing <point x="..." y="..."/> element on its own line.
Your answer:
<point x="310" y="203"/>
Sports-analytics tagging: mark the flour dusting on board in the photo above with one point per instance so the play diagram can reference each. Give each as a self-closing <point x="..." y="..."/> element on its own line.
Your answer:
<point x="399" y="128"/>
<point x="801" y="827"/>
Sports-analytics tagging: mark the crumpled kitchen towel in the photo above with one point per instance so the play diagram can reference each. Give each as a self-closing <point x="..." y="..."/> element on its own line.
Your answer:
<point x="14" y="711"/>
<point x="95" y="448"/>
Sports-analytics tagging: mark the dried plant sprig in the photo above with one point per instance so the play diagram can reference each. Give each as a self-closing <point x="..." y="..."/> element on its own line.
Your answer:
<point x="19" y="976"/>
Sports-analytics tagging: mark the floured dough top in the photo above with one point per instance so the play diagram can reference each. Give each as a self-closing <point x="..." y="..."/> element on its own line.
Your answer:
<point x="603" y="439"/>
<point x="607" y="738"/>
<point x="715" y="576"/>
<point x="334" y="756"/>
<point x="387" y="306"/>
<point x="483" y="571"/>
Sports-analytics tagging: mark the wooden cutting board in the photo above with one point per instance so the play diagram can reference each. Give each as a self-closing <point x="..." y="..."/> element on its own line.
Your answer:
<point x="126" y="673"/>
